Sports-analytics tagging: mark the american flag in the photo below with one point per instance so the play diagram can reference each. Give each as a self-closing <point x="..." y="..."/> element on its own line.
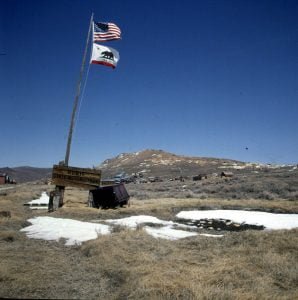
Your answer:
<point x="105" y="32"/>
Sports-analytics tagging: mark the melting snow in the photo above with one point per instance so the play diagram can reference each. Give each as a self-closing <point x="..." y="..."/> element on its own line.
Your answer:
<point x="232" y="167"/>
<point x="134" y="221"/>
<point x="269" y="220"/>
<point x="169" y="233"/>
<point x="43" y="200"/>
<point x="40" y="203"/>
<point x="211" y="235"/>
<point x="75" y="232"/>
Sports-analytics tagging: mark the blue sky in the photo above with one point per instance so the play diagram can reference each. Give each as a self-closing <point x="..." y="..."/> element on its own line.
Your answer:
<point x="199" y="78"/>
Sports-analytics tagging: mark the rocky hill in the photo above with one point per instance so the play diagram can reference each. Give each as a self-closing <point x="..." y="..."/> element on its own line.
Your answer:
<point x="165" y="164"/>
<point x="26" y="174"/>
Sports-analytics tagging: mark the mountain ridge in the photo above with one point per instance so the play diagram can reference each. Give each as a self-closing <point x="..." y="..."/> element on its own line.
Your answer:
<point x="26" y="173"/>
<point x="153" y="162"/>
<point x="149" y="162"/>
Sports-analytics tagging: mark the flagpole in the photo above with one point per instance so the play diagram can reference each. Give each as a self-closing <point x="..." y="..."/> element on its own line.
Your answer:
<point x="75" y="105"/>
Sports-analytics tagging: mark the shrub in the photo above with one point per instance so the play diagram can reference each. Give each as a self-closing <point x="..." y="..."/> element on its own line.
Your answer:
<point x="189" y="194"/>
<point x="267" y="195"/>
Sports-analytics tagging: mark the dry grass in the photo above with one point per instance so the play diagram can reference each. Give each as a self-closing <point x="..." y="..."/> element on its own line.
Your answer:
<point x="133" y="265"/>
<point x="196" y="268"/>
<point x="271" y="185"/>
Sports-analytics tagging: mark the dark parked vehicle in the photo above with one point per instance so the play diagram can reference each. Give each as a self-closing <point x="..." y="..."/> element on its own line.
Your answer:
<point x="123" y="178"/>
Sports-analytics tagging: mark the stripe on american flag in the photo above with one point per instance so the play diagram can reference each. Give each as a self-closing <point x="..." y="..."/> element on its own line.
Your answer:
<point x="106" y="32"/>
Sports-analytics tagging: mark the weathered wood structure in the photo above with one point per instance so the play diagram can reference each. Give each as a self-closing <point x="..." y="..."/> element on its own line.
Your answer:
<point x="63" y="176"/>
<point x="226" y="174"/>
<point x="108" y="196"/>
<point x="103" y="196"/>
<point x="77" y="177"/>
<point x="5" y="179"/>
<point x="199" y="177"/>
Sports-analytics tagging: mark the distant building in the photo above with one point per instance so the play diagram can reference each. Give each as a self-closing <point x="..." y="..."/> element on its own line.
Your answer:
<point x="4" y="179"/>
<point x="226" y="174"/>
<point x="199" y="177"/>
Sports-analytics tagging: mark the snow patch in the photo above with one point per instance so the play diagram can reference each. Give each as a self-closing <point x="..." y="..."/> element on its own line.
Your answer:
<point x="40" y="203"/>
<point x="236" y="167"/>
<point x="211" y="235"/>
<point x="43" y="200"/>
<point x="168" y="233"/>
<point x="268" y="220"/>
<point x="134" y="221"/>
<point x="75" y="232"/>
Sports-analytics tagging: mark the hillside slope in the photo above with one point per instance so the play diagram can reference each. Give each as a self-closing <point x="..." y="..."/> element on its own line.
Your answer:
<point x="26" y="174"/>
<point x="165" y="164"/>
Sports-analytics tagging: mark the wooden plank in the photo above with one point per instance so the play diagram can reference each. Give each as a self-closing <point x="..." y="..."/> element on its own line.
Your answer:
<point x="107" y="182"/>
<point x="76" y="177"/>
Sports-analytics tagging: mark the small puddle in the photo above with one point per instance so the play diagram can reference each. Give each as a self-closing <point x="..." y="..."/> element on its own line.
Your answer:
<point x="219" y="224"/>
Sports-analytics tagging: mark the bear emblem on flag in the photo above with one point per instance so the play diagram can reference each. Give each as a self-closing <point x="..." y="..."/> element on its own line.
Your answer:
<point x="107" y="55"/>
<point x="103" y="55"/>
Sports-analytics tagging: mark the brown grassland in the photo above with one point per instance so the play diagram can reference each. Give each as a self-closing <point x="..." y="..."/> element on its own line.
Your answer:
<point x="133" y="265"/>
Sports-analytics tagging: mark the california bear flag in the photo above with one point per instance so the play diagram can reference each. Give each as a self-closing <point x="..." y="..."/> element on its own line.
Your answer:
<point x="103" y="55"/>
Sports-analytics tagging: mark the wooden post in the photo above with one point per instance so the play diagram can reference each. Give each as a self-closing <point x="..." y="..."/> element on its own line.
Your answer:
<point x="59" y="195"/>
<point x="56" y="198"/>
<point x="90" y="200"/>
<point x="51" y="202"/>
<point x="59" y="191"/>
<point x="75" y="106"/>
